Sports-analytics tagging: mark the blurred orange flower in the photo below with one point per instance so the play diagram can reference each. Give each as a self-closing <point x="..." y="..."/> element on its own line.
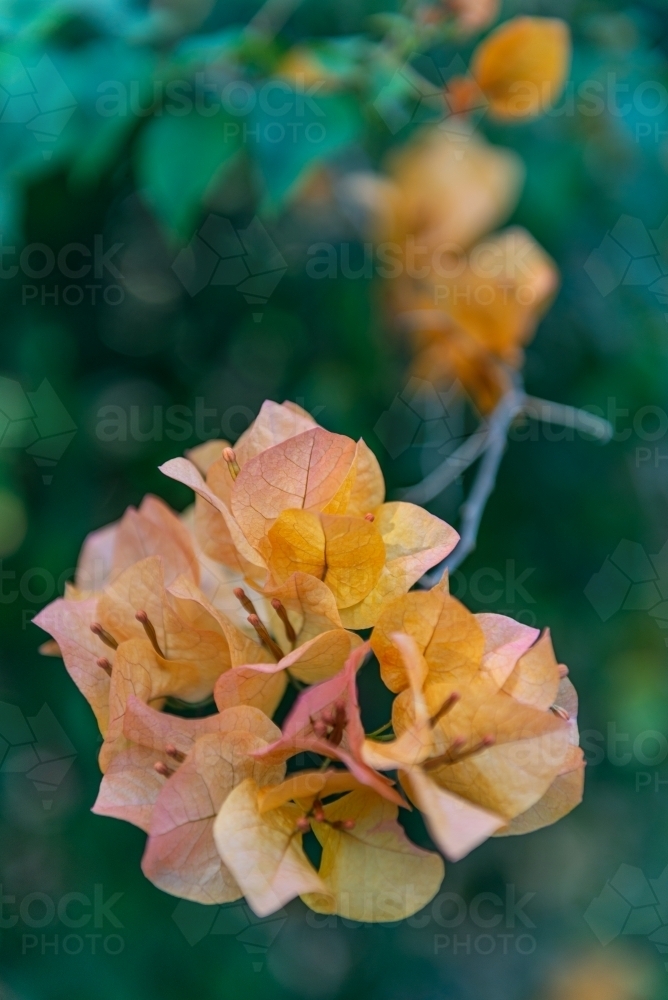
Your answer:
<point x="485" y="313"/>
<point x="469" y="302"/>
<point x="521" y="67"/>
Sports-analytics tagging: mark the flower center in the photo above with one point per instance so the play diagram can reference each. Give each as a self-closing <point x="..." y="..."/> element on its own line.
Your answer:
<point x="458" y="751"/>
<point x="147" y="625"/>
<point x="103" y="635"/>
<point x="177" y="755"/>
<point x="317" y="813"/>
<point x="104" y="664"/>
<point x="331" y="724"/>
<point x="229" y="455"/>
<point x="254" y="619"/>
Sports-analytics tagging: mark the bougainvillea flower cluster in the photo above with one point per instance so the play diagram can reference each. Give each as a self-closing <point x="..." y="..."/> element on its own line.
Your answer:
<point x="187" y="633"/>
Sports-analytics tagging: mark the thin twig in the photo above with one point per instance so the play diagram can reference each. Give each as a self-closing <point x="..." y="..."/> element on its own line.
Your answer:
<point x="490" y="440"/>
<point x="472" y="510"/>
<point x="540" y="409"/>
<point x="449" y="470"/>
<point x="568" y="416"/>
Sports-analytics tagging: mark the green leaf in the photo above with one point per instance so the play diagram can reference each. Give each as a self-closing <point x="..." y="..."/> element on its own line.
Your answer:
<point x="286" y="146"/>
<point x="178" y="160"/>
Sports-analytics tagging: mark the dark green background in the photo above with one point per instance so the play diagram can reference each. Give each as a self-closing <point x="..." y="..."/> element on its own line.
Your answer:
<point x="561" y="506"/>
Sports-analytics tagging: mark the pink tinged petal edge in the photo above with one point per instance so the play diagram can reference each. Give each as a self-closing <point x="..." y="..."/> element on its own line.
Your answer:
<point x="185" y="472"/>
<point x="506" y="640"/>
<point x="319" y="697"/>
<point x="69" y="624"/>
<point x="148" y="727"/>
<point x="130" y="787"/>
<point x="298" y="728"/>
<point x="457" y="826"/>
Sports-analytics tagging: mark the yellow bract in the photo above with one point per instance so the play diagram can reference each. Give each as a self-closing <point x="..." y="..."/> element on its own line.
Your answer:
<point x="297" y="545"/>
<point x="489" y="689"/>
<point x="521" y="67"/>
<point x="264" y="850"/>
<point x="369" y="870"/>
<point x="373" y="873"/>
<point x="304" y="500"/>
